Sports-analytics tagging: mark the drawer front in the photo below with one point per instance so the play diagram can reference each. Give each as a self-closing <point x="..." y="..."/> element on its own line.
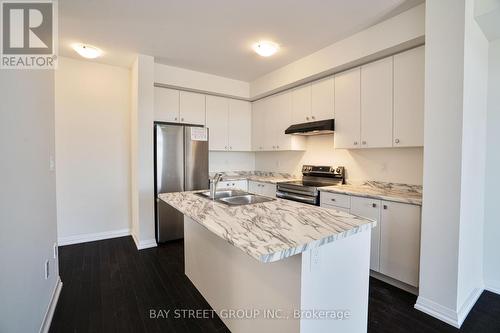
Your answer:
<point x="254" y="187"/>
<point x="342" y="209"/>
<point x="238" y="184"/>
<point x="269" y="190"/>
<point x="334" y="199"/>
<point x="266" y="189"/>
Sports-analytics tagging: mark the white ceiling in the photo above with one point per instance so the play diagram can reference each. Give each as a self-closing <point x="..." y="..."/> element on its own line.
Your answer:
<point x="216" y="36"/>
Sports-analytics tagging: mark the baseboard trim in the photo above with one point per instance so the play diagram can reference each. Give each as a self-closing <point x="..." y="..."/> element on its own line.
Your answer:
<point x="469" y="304"/>
<point x="493" y="286"/>
<point x="84" y="238"/>
<point x="438" y="311"/>
<point x="51" y="308"/>
<point x="449" y="316"/>
<point x="145" y="244"/>
<point x="393" y="282"/>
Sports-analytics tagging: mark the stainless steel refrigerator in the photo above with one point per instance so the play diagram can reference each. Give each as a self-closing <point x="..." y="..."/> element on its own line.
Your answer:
<point x="181" y="164"/>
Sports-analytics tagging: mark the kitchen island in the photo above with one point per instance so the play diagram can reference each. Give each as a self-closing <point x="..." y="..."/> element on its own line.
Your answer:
<point x="278" y="266"/>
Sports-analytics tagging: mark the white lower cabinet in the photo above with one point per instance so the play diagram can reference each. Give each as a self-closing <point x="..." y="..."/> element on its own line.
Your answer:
<point x="370" y="208"/>
<point x="400" y="242"/>
<point x="237" y="184"/>
<point x="395" y="243"/>
<point x="266" y="189"/>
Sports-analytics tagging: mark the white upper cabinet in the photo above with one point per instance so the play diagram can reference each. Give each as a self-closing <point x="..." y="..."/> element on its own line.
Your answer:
<point x="347" y="109"/>
<point x="270" y="128"/>
<point x="301" y="104"/>
<point x="217" y="122"/>
<point x="381" y="104"/>
<point x="192" y="108"/>
<point x="322" y="99"/>
<point x="409" y="72"/>
<point x="282" y="109"/>
<point x="229" y="122"/>
<point x="166" y="105"/>
<point x="239" y="131"/>
<point x="313" y="102"/>
<point x="376" y="104"/>
<point x="271" y="116"/>
<point x="258" y="124"/>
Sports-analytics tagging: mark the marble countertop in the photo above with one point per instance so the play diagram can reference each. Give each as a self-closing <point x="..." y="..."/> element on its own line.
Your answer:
<point x="258" y="176"/>
<point x="262" y="179"/>
<point x="411" y="194"/>
<point x="269" y="231"/>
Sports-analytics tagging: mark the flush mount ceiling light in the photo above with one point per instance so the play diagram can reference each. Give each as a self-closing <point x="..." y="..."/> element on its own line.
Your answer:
<point x="87" y="51"/>
<point x="265" y="48"/>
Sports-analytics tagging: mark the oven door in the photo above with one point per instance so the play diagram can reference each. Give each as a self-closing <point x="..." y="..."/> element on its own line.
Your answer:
<point x="298" y="197"/>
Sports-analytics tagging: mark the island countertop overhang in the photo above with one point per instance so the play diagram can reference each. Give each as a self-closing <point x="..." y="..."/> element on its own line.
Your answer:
<point x="269" y="231"/>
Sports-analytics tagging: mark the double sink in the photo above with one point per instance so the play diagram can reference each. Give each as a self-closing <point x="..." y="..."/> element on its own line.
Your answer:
<point x="235" y="197"/>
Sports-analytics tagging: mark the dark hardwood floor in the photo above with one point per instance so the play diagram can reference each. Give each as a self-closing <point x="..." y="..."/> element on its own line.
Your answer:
<point x="109" y="286"/>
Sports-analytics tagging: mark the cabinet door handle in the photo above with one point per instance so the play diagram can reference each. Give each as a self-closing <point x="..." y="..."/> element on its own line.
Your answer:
<point x="274" y="147"/>
<point x="396" y="141"/>
<point x="385" y="206"/>
<point x="313" y="117"/>
<point x="374" y="205"/>
<point x="175" y="118"/>
<point x="225" y="147"/>
<point x="333" y="199"/>
<point x="364" y="142"/>
<point x="230" y="148"/>
<point x="182" y="119"/>
<point x="277" y="147"/>
<point x="307" y="118"/>
<point x="355" y="143"/>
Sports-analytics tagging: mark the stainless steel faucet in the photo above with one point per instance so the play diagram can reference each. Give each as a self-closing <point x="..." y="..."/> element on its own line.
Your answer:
<point x="213" y="184"/>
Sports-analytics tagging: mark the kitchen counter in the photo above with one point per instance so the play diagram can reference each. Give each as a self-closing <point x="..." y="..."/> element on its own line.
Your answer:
<point x="268" y="231"/>
<point x="258" y="176"/>
<point x="411" y="194"/>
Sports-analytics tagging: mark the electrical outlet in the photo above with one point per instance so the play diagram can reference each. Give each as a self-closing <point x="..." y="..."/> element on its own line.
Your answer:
<point x="47" y="269"/>
<point x="315" y="258"/>
<point x="55" y="251"/>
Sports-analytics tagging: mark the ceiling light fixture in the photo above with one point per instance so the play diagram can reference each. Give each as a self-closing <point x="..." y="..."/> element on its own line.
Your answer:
<point x="265" y="48"/>
<point x="87" y="51"/>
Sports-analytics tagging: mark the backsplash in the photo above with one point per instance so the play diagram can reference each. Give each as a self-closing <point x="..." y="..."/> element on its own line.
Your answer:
<point x="254" y="173"/>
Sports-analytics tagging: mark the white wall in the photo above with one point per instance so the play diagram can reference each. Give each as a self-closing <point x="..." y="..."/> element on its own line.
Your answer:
<point x="142" y="119"/>
<point x="451" y="238"/>
<point x="185" y="78"/>
<point x="93" y="150"/>
<point x="395" y="34"/>
<point x="231" y="161"/>
<point x="492" y="213"/>
<point x="475" y="87"/>
<point x="399" y="165"/>
<point x="28" y="228"/>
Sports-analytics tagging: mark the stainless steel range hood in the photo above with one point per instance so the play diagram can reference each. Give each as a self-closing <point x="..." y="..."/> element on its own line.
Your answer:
<point x="312" y="128"/>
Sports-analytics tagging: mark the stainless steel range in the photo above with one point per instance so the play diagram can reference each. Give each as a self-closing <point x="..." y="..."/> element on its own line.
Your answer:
<point x="306" y="190"/>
